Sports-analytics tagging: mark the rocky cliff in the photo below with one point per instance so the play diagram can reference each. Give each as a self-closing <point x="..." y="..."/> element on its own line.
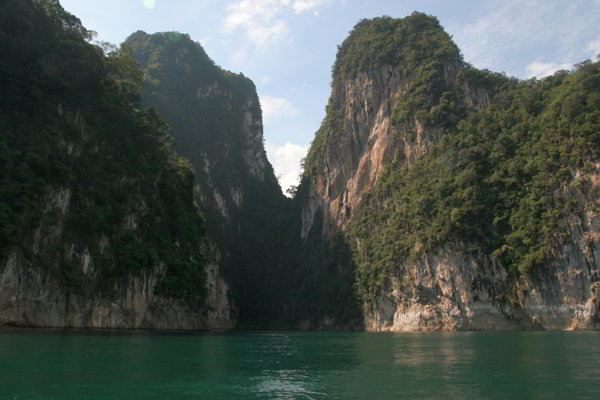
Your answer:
<point x="98" y="224"/>
<point x="216" y="121"/>
<point x="32" y="296"/>
<point x="461" y="288"/>
<point x="459" y="192"/>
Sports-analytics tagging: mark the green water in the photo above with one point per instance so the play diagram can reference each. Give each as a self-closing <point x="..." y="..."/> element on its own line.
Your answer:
<point x="112" y="365"/>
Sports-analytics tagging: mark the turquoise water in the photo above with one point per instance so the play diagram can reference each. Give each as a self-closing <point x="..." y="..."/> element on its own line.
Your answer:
<point x="112" y="365"/>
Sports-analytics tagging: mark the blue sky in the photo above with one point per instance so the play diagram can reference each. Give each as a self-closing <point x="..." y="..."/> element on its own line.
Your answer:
<point x="287" y="47"/>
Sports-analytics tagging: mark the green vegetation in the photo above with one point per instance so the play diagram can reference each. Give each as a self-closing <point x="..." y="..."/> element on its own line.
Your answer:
<point x="215" y="119"/>
<point x="85" y="169"/>
<point x="506" y="178"/>
<point x="420" y="51"/>
<point x="375" y="43"/>
<point x="71" y="122"/>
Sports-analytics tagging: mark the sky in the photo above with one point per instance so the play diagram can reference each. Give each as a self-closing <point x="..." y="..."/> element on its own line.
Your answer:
<point x="287" y="47"/>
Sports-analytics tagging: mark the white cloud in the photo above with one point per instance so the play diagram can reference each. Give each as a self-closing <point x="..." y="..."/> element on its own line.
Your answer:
<point x="593" y="48"/>
<point x="264" y="35"/>
<point x="149" y="3"/>
<point x="286" y="161"/>
<point x="541" y="69"/>
<point x="264" y="80"/>
<point x="509" y="23"/>
<point x="277" y="107"/>
<point x="301" y="6"/>
<point x="261" y="20"/>
<point x="506" y="31"/>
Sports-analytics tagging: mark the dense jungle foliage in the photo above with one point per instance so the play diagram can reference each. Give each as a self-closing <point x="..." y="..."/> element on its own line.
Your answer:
<point x="504" y="178"/>
<point x="71" y="122"/>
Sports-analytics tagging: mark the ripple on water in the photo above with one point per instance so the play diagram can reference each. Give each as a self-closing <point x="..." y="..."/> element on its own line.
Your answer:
<point x="90" y="365"/>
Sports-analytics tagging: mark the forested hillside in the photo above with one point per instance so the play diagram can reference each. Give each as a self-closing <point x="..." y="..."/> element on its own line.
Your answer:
<point x="469" y="198"/>
<point x="92" y="196"/>
<point x="216" y="120"/>
<point x="506" y="177"/>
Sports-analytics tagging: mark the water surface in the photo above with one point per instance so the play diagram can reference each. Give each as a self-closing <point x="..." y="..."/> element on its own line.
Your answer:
<point x="111" y="365"/>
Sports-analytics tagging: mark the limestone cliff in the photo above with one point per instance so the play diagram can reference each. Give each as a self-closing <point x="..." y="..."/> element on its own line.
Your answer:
<point x="32" y="296"/>
<point x="214" y="115"/>
<point x="369" y="139"/>
<point x="216" y="121"/>
<point x="98" y="224"/>
<point x="434" y="197"/>
<point x="441" y="234"/>
<point x="461" y="288"/>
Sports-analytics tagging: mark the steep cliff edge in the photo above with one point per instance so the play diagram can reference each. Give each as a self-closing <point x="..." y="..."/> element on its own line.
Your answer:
<point x="98" y="224"/>
<point x="467" y="199"/>
<point x="216" y="121"/>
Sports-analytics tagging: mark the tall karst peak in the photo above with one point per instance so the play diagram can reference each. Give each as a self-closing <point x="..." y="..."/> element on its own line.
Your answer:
<point x="450" y="186"/>
<point x="386" y="41"/>
<point x="99" y="225"/>
<point x="216" y="120"/>
<point x="392" y="83"/>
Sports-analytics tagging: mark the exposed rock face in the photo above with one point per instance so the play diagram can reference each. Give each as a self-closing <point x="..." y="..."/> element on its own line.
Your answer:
<point x="31" y="296"/>
<point x="254" y="154"/>
<point x="32" y="293"/>
<point x="216" y="121"/>
<point x="565" y="295"/>
<point x="370" y="141"/>
<point x="456" y="286"/>
<point x="449" y="290"/>
<point x="459" y="289"/>
<point x="357" y="159"/>
<point x="98" y="223"/>
<point x="215" y="118"/>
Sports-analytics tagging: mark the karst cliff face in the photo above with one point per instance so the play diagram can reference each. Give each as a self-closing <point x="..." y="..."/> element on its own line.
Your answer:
<point x="31" y="296"/>
<point x="459" y="288"/>
<point x="216" y="121"/>
<point x="99" y="226"/>
<point x="463" y="199"/>
<point x="370" y="140"/>
<point x="214" y="115"/>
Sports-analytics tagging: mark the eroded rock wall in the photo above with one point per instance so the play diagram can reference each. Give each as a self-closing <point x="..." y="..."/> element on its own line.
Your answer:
<point x="458" y="288"/>
<point x="31" y="296"/>
<point x="32" y="292"/>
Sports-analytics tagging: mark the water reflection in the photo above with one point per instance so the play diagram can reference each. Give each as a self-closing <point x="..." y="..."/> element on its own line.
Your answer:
<point x="290" y="384"/>
<point x="472" y="365"/>
<point x="440" y="349"/>
<point x="295" y="368"/>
